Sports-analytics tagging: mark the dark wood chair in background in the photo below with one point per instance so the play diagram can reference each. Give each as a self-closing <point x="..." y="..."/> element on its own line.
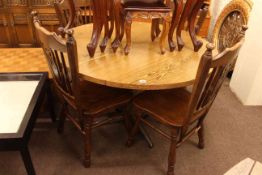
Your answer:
<point x="179" y="109"/>
<point x="73" y="13"/>
<point x="146" y="9"/>
<point x="187" y="13"/>
<point x="86" y="100"/>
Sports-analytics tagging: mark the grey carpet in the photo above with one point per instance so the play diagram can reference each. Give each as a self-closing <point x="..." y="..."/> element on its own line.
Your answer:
<point x="232" y="133"/>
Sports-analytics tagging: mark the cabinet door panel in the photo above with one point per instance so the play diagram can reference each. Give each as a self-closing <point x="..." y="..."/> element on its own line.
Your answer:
<point x="16" y="3"/>
<point x="4" y="32"/>
<point x="22" y="29"/>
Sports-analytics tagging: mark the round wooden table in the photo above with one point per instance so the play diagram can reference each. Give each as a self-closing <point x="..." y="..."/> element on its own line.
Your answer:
<point x="144" y="68"/>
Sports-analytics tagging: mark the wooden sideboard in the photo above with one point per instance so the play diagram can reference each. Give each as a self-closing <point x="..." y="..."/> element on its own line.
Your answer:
<point x="16" y="28"/>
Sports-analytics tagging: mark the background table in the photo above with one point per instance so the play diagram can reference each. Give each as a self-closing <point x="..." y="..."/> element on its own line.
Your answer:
<point x="144" y="68"/>
<point x="20" y="100"/>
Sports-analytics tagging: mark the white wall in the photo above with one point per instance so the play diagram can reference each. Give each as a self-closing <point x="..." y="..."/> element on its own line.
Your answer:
<point x="246" y="81"/>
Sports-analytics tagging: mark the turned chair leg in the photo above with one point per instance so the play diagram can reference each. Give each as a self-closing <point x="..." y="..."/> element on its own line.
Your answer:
<point x="172" y="152"/>
<point x="201" y="143"/>
<point x="128" y="23"/>
<point x="134" y="131"/>
<point x="61" y="121"/>
<point x="164" y="35"/>
<point x="87" y="141"/>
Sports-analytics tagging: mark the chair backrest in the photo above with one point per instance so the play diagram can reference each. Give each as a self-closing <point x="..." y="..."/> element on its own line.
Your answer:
<point x="72" y="13"/>
<point x="210" y="76"/>
<point x="61" y="56"/>
<point x="229" y="23"/>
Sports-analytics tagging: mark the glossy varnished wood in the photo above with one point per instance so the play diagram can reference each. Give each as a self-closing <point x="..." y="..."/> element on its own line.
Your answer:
<point x="144" y="68"/>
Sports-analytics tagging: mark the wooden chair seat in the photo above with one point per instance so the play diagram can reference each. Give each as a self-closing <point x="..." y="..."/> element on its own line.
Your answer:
<point x="97" y="99"/>
<point x="168" y="106"/>
<point x="144" y="6"/>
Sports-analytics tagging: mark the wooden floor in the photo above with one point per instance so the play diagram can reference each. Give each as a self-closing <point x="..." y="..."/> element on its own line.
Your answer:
<point x="22" y="60"/>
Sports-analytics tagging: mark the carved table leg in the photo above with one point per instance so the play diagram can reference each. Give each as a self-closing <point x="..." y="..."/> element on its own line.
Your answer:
<point x="128" y="22"/>
<point x="175" y="19"/>
<point x="181" y="25"/>
<point x="166" y="23"/>
<point x="197" y="43"/>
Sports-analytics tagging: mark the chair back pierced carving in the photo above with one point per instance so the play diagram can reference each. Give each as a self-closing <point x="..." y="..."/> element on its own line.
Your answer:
<point x="210" y="76"/>
<point x="72" y="13"/>
<point x="62" y="59"/>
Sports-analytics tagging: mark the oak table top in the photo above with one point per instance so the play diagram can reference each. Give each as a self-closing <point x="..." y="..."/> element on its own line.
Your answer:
<point x="144" y="68"/>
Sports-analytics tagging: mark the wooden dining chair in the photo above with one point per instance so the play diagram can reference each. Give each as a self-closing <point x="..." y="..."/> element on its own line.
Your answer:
<point x="193" y="12"/>
<point x="89" y="101"/>
<point x="146" y="9"/>
<point x="73" y="13"/>
<point x="184" y="112"/>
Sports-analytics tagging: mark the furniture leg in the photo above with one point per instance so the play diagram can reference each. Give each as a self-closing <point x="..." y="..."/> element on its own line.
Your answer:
<point x="192" y="21"/>
<point x="127" y="117"/>
<point x="175" y="19"/>
<point x="201" y="143"/>
<point x="97" y="27"/>
<point x="61" y="121"/>
<point x="153" y="26"/>
<point x="117" y="6"/>
<point x="50" y="100"/>
<point x="164" y="35"/>
<point x="155" y="30"/>
<point x="128" y="22"/>
<point x="181" y="25"/>
<point x="105" y="23"/>
<point x="146" y="136"/>
<point x="122" y="27"/>
<point x="134" y="130"/>
<point x="202" y="17"/>
<point x="172" y="152"/>
<point x="27" y="160"/>
<point x="88" y="140"/>
<point x="111" y="18"/>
